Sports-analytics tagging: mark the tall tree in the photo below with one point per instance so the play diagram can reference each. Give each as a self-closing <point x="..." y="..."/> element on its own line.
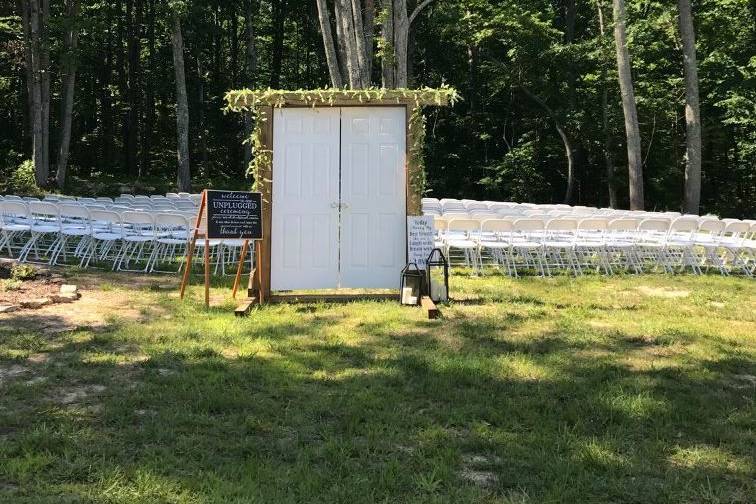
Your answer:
<point x="396" y="24"/>
<point x="70" y="58"/>
<point x="332" y="59"/>
<point x="32" y="20"/>
<point x="632" y="129"/>
<point x="692" y="110"/>
<point x="608" y="153"/>
<point x="182" y="106"/>
<point x="250" y="71"/>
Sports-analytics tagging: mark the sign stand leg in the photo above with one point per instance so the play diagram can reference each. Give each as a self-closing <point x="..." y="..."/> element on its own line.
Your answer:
<point x="242" y="257"/>
<point x="190" y="249"/>
<point x="207" y="273"/>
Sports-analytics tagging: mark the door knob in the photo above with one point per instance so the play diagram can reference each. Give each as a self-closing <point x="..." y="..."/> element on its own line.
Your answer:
<point x="345" y="205"/>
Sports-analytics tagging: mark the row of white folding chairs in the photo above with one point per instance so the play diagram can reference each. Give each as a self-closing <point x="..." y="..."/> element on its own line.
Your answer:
<point x="123" y="238"/>
<point x="632" y="244"/>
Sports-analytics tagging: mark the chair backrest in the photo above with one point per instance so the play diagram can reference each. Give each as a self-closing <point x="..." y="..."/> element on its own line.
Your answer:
<point x="107" y="218"/>
<point x="468" y="225"/>
<point x="684" y="225"/>
<point x="13" y="197"/>
<point x="138" y="219"/>
<point x="657" y="225"/>
<point x="562" y="224"/>
<point x="528" y="225"/>
<point x="14" y="209"/>
<point x="712" y="227"/>
<point x="105" y="199"/>
<point x="593" y="224"/>
<point x="737" y="229"/>
<point x="496" y="225"/>
<point x="171" y="222"/>
<point x="126" y="196"/>
<point x="624" y="224"/>
<point x="86" y="200"/>
<point x="44" y="210"/>
<point x="76" y="213"/>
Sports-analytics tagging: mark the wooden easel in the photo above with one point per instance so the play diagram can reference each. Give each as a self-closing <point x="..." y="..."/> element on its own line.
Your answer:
<point x="190" y="254"/>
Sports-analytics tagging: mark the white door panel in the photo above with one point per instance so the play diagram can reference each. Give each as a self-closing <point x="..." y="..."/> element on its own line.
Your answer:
<point x="373" y="196"/>
<point x="304" y="231"/>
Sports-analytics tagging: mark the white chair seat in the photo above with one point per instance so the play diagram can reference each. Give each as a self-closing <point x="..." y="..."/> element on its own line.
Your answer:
<point x="106" y="236"/>
<point x="16" y="227"/>
<point x="45" y="228"/>
<point x="461" y="244"/>
<point x="494" y="244"/>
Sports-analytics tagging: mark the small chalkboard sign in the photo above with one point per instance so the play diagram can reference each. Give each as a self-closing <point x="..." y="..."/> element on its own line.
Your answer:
<point x="234" y="215"/>
<point x="421" y="235"/>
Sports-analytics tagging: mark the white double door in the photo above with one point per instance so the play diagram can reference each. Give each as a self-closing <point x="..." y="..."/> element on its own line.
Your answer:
<point x="339" y="198"/>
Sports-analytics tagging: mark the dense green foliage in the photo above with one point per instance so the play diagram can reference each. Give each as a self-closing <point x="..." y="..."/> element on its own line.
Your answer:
<point x="561" y="390"/>
<point x="497" y="143"/>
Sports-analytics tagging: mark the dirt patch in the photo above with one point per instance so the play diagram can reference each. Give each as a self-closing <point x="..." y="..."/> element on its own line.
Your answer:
<point x="480" y="478"/>
<point x="39" y="288"/>
<point x="75" y="395"/>
<point x="662" y="292"/>
<point x="10" y="372"/>
<point x="99" y="306"/>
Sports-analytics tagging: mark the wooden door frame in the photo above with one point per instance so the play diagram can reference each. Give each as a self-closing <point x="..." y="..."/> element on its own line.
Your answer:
<point x="265" y="185"/>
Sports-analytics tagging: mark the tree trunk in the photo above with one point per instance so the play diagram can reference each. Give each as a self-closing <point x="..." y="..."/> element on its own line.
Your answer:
<point x="608" y="156"/>
<point x="692" y="110"/>
<point x="31" y="13"/>
<point x="401" y="39"/>
<point x="344" y="19"/>
<point x="134" y="15"/>
<point x="182" y="107"/>
<point x="360" y="45"/>
<point x="23" y="8"/>
<point x="44" y="30"/>
<point x="565" y="141"/>
<point x="250" y="73"/>
<point x="324" y="16"/>
<point x="149" y="120"/>
<point x="388" y="71"/>
<point x="632" y="129"/>
<point x="70" y="61"/>
<point x="279" y="18"/>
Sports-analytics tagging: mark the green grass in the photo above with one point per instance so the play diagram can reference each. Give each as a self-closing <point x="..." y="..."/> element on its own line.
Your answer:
<point x="626" y="389"/>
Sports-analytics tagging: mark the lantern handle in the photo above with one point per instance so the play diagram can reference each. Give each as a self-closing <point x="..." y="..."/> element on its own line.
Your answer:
<point x="407" y="268"/>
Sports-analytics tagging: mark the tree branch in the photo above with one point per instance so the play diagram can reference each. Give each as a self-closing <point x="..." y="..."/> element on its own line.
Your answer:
<point x="417" y="10"/>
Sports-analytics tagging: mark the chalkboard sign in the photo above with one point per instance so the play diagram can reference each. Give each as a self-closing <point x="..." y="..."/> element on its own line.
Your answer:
<point x="234" y="215"/>
<point x="421" y="235"/>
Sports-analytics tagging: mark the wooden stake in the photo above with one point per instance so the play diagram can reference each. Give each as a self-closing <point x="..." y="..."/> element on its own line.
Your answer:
<point x="192" y="243"/>
<point x="207" y="272"/>
<point x="242" y="257"/>
<point x="430" y="307"/>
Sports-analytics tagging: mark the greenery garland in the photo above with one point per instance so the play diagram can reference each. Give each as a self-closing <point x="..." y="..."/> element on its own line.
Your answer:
<point x="254" y="101"/>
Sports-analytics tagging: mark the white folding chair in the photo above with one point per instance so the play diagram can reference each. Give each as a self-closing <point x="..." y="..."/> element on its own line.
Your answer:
<point x="138" y="238"/>
<point x="590" y="244"/>
<point x="75" y="232"/>
<point x="462" y="234"/>
<point x="171" y="240"/>
<point x="559" y="245"/>
<point x="45" y="226"/>
<point x="106" y="239"/>
<point x="651" y="243"/>
<point x="496" y="239"/>
<point x="527" y="244"/>
<point x="680" y="243"/>
<point x="15" y="224"/>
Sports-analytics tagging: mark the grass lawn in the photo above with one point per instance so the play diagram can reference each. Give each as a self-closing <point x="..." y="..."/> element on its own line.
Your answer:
<point x="624" y="389"/>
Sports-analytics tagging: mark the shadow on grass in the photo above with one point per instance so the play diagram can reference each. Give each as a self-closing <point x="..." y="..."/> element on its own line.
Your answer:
<point x="380" y="422"/>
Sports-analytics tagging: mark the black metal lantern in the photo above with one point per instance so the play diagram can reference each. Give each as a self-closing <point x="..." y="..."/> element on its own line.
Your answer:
<point x="437" y="276"/>
<point x="411" y="285"/>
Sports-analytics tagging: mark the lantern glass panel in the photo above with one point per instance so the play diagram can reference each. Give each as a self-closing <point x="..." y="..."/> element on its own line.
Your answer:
<point x="437" y="275"/>
<point x="411" y="285"/>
